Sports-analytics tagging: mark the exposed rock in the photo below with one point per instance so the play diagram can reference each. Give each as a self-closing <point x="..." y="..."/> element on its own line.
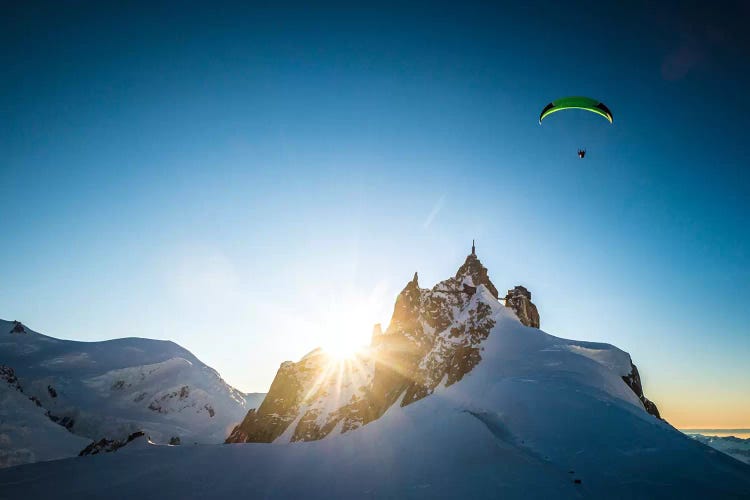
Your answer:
<point x="633" y="379"/>
<point x="519" y="299"/>
<point x="175" y="441"/>
<point x="18" y="328"/>
<point x="52" y="392"/>
<point x="433" y="337"/>
<point x="105" y="445"/>
<point x="66" y="421"/>
<point x="159" y="405"/>
<point x="473" y="268"/>
<point x="8" y="375"/>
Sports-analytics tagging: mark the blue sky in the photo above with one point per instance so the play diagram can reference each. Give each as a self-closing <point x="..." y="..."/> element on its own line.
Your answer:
<point x="251" y="182"/>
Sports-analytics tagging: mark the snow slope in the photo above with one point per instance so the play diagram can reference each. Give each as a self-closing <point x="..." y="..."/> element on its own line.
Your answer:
<point x="537" y="414"/>
<point x="111" y="389"/>
<point x="27" y="434"/>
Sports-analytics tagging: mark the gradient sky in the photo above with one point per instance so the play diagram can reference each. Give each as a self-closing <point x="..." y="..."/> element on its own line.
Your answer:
<point x="254" y="181"/>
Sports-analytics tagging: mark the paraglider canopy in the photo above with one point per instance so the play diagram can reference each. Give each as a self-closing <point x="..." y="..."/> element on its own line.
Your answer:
<point x="585" y="103"/>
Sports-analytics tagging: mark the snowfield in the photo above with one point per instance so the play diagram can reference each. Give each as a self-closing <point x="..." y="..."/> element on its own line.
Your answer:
<point x="107" y="390"/>
<point x="538" y="417"/>
<point x="28" y="435"/>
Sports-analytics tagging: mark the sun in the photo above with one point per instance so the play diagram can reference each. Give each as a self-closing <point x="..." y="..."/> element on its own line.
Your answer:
<point x="342" y="337"/>
<point x="342" y="352"/>
<point x="345" y="326"/>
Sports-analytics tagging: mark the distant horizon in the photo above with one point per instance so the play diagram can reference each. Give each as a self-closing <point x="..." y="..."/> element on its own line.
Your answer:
<point x="722" y="433"/>
<point x="717" y="430"/>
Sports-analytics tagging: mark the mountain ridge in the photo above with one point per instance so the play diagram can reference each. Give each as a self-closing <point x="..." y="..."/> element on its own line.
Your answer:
<point x="536" y="416"/>
<point x="110" y="389"/>
<point x="434" y="338"/>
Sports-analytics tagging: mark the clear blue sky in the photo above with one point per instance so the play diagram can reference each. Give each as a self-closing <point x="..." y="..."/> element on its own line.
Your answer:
<point x="238" y="179"/>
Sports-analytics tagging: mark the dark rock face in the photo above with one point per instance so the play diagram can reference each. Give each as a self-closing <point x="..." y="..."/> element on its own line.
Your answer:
<point x="158" y="405"/>
<point x="8" y="375"/>
<point x="519" y="299"/>
<point x="105" y="445"/>
<point x="633" y="380"/>
<point x="425" y="344"/>
<point x="66" y="421"/>
<point x="18" y="328"/>
<point x="280" y="406"/>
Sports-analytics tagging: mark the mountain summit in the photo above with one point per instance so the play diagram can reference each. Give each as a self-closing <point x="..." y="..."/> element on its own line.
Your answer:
<point x="435" y="338"/>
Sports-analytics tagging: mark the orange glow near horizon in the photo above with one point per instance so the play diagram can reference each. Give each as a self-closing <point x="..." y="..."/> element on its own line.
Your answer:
<point x="708" y="406"/>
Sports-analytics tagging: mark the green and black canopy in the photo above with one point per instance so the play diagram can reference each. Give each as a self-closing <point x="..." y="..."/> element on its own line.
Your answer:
<point x="585" y="103"/>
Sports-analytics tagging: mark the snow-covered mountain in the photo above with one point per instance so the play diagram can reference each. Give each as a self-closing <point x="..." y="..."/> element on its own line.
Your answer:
<point x="26" y="432"/>
<point x="87" y="391"/>
<point x="435" y="337"/>
<point x="459" y="398"/>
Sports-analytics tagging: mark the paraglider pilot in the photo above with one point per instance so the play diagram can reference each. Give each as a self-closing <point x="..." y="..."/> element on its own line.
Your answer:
<point x="581" y="153"/>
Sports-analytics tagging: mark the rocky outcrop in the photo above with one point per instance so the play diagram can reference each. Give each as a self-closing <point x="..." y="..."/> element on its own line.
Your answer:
<point x="474" y="269"/>
<point x="8" y="375"/>
<point x="105" y="445"/>
<point x="434" y="336"/>
<point x="519" y="299"/>
<point x="282" y="403"/>
<point x="633" y="380"/>
<point x="17" y="328"/>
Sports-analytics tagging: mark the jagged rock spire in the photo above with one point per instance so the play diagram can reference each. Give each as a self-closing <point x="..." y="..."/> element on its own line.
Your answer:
<point x="473" y="268"/>
<point x="473" y="249"/>
<point x="519" y="299"/>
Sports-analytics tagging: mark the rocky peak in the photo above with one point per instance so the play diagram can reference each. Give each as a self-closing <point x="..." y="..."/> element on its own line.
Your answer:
<point x="434" y="336"/>
<point x="407" y="302"/>
<point x="473" y="273"/>
<point x="519" y="299"/>
<point x="18" y="328"/>
<point x="8" y="375"/>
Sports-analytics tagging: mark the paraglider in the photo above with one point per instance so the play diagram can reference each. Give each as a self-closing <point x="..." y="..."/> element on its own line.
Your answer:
<point x="584" y="103"/>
